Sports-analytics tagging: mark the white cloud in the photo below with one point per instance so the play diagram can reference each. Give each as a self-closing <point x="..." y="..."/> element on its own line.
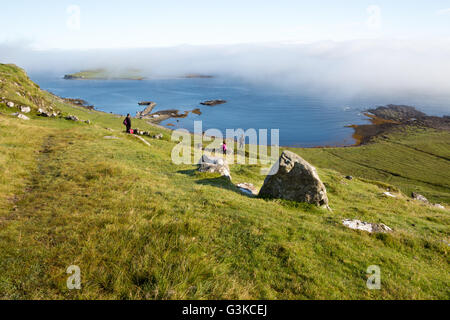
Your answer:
<point x="443" y="11"/>
<point x="369" y="68"/>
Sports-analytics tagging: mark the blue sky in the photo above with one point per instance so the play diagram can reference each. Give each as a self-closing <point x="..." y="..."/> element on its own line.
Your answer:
<point x="47" y="24"/>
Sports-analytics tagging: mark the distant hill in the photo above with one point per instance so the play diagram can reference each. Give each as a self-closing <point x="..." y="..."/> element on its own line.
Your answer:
<point x="105" y="74"/>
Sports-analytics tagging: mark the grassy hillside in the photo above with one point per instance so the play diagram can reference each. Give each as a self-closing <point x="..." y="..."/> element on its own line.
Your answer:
<point x="140" y="227"/>
<point x="413" y="159"/>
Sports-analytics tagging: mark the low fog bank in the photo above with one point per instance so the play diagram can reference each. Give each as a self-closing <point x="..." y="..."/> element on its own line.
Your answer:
<point x="364" y="68"/>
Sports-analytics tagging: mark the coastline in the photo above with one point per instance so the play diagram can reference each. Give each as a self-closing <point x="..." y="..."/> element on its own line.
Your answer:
<point x="383" y="120"/>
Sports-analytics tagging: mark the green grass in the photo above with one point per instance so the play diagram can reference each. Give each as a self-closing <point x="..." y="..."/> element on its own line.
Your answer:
<point x="414" y="160"/>
<point x="140" y="227"/>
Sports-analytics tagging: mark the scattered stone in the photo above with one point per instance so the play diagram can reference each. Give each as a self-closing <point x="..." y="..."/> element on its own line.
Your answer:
<point x="10" y="104"/>
<point x="158" y="136"/>
<point x="88" y="122"/>
<point x="388" y="194"/>
<point x="419" y="197"/>
<point x="210" y="164"/>
<point x="366" y="226"/>
<point x="349" y="177"/>
<point x="25" y="109"/>
<point x="21" y="116"/>
<point x="72" y="118"/>
<point x="247" y="188"/>
<point x="295" y="180"/>
<point x="439" y="206"/>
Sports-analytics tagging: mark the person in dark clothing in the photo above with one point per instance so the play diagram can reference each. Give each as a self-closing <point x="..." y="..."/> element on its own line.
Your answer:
<point x="127" y="123"/>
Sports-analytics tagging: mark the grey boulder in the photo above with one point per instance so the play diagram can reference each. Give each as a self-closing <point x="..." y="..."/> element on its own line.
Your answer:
<point x="295" y="180"/>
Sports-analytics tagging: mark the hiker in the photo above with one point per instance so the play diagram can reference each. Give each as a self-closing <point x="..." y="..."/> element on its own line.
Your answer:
<point x="224" y="147"/>
<point x="127" y="123"/>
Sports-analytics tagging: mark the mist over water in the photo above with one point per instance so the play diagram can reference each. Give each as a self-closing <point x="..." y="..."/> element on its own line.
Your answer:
<point x="309" y="91"/>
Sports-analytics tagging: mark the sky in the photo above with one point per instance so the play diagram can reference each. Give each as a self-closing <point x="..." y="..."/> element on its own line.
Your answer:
<point x="348" y="47"/>
<point x="88" y="24"/>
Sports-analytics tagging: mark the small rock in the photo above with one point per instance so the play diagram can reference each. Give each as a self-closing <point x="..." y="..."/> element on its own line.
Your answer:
<point x="110" y="137"/>
<point x="158" y="136"/>
<point x="88" y="122"/>
<point x="10" y="104"/>
<point x="247" y="188"/>
<point x="439" y="206"/>
<point x="72" y="118"/>
<point x="21" y="116"/>
<point x="366" y="226"/>
<point x="349" y="177"/>
<point x="419" y="197"/>
<point x="388" y="194"/>
<point x="25" y="109"/>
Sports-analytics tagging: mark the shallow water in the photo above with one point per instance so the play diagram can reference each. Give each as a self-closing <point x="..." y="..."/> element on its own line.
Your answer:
<point x="303" y="120"/>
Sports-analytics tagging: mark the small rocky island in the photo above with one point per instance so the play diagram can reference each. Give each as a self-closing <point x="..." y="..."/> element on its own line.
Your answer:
<point x="105" y="74"/>
<point x="384" y="119"/>
<point x="212" y="103"/>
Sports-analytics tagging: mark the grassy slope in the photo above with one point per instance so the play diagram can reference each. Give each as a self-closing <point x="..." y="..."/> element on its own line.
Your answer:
<point x="141" y="227"/>
<point x="412" y="159"/>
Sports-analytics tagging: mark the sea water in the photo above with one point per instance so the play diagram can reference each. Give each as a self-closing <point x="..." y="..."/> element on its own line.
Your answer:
<point x="303" y="120"/>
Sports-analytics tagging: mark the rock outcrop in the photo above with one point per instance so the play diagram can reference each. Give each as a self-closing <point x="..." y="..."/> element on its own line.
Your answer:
<point x="147" y="111"/>
<point x="21" y="116"/>
<point x="72" y="118"/>
<point x="295" y="180"/>
<point x="419" y="197"/>
<point x="366" y="226"/>
<point x="210" y="164"/>
<point x="44" y="113"/>
<point x="213" y="102"/>
<point x="247" y="188"/>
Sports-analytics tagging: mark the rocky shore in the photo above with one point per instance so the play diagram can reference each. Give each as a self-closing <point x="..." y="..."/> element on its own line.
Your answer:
<point x="80" y="103"/>
<point x="392" y="117"/>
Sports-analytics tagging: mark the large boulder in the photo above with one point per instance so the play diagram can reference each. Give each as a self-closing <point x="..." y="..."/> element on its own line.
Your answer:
<point x="211" y="164"/>
<point x="295" y="180"/>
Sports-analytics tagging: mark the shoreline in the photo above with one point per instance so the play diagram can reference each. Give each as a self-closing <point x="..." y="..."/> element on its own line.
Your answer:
<point x="383" y="121"/>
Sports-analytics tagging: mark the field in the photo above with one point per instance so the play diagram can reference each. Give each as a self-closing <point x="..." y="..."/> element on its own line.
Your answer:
<point x="141" y="227"/>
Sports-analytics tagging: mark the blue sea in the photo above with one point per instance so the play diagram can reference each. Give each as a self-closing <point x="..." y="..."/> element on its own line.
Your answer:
<point x="304" y="120"/>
